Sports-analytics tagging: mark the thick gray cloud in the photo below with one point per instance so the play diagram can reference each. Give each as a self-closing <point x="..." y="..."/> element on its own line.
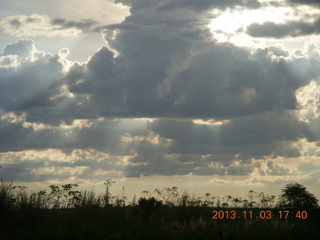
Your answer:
<point x="16" y="137"/>
<point x="161" y="62"/>
<point x="184" y="73"/>
<point x="222" y="82"/>
<point x="248" y="137"/>
<point x="282" y="30"/>
<point x="105" y="136"/>
<point x="182" y="147"/>
<point x="32" y="80"/>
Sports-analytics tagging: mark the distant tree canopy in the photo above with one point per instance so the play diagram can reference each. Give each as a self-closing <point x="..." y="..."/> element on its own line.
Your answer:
<point x="296" y="196"/>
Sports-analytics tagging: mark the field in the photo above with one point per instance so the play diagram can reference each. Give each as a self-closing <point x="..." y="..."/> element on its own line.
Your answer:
<point x="137" y="223"/>
<point x="30" y="217"/>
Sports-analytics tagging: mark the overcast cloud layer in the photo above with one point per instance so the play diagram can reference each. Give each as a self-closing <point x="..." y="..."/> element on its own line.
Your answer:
<point x="161" y="97"/>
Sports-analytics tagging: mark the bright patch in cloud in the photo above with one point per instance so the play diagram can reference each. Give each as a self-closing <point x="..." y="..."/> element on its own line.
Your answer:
<point x="309" y="101"/>
<point x="230" y="25"/>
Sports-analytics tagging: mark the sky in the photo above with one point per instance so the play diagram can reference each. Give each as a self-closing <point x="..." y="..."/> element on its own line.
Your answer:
<point x="206" y="95"/>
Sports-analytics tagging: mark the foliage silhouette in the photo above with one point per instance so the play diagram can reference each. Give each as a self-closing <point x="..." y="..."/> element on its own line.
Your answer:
<point x="107" y="197"/>
<point x="149" y="206"/>
<point x="65" y="213"/>
<point x="296" y="196"/>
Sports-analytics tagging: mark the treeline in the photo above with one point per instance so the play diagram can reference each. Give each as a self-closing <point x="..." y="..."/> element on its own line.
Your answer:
<point x="67" y="196"/>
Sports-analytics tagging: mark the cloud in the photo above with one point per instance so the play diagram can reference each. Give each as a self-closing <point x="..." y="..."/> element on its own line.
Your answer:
<point x="282" y="30"/>
<point x="276" y="170"/>
<point x="42" y="25"/>
<point x="23" y="48"/>
<point x="28" y="85"/>
<point x="85" y="25"/>
<point x="107" y="135"/>
<point x="184" y="73"/>
<point x="219" y="81"/>
<point x="9" y="61"/>
<point x="307" y="2"/>
<point x="81" y="163"/>
<point x="242" y="138"/>
<point x="191" y="148"/>
<point x="202" y="5"/>
<point x="159" y="63"/>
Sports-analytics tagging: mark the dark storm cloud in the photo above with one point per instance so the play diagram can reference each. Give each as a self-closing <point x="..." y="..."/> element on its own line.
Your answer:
<point x="282" y="30"/>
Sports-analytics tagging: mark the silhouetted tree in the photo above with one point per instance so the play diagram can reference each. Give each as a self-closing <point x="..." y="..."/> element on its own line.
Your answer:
<point x="225" y="204"/>
<point x="252" y="194"/>
<point x="296" y="196"/>
<point x="266" y="200"/>
<point x="168" y="194"/>
<point x="71" y="197"/>
<point x="208" y="200"/>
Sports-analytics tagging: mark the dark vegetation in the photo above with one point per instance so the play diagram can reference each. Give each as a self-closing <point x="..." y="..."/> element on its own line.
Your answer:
<point x="297" y="196"/>
<point x="64" y="212"/>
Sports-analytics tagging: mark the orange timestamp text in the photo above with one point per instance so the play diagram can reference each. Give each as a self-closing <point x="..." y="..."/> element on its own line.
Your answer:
<point x="259" y="214"/>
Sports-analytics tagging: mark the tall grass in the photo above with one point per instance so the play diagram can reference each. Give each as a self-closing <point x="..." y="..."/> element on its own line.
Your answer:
<point x="63" y="212"/>
<point x="67" y="196"/>
<point x="7" y="197"/>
